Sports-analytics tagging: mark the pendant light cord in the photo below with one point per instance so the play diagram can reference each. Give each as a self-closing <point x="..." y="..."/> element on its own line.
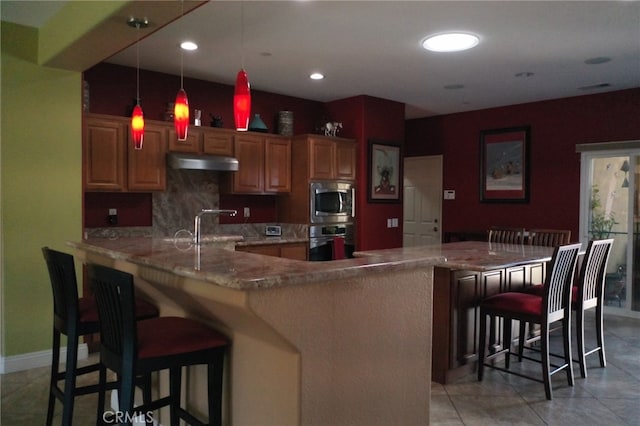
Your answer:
<point x="182" y="50"/>
<point x="138" y="63"/>
<point x="242" y="34"/>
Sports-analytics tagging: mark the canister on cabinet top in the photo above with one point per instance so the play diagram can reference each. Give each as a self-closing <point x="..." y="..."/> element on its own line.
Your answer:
<point x="285" y="123"/>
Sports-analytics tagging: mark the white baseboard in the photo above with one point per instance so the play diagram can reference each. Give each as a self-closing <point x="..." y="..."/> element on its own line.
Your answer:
<point x="11" y="364"/>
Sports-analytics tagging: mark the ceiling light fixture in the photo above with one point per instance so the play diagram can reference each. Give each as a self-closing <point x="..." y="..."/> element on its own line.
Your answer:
<point x="316" y="76"/>
<point x="188" y="45"/>
<point x="598" y="60"/>
<point x="137" y="116"/>
<point x="181" y="105"/>
<point x="450" y="42"/>
<point x="242" y="93"/>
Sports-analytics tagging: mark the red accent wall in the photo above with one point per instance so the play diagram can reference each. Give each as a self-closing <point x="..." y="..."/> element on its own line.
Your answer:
<point x="113" y="90"/>
<point x="364" y="118"/>
<point x="557" y="126"/>
<point x="134" y="209"/>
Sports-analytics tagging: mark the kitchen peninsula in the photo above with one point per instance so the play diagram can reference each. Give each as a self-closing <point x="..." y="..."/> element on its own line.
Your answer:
<point x="342" y="342"/>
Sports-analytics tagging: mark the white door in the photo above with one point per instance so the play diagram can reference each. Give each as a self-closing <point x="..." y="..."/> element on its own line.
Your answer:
<point x="422" y="197"/>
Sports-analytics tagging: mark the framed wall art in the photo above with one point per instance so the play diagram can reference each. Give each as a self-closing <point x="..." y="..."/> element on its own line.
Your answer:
<point x="504" y="165"/>
<point x="384" y="178"/>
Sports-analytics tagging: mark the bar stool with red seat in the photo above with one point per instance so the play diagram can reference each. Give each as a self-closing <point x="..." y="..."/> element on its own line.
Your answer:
<point x="587" y="293"/>
<point x="135" y="350"/>
<point x="74" y="317"/>
<point x="555" y="305"/>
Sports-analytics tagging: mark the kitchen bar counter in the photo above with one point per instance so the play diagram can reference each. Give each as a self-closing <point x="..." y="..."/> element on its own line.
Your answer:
<point x="323" y="343"/>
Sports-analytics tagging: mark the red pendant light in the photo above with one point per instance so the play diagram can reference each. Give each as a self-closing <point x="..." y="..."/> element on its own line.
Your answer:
<point x="181" y="115"/>
<point x="137" y="117"/>
<point x="137" y="126"/>
<point x="242" y="101"/>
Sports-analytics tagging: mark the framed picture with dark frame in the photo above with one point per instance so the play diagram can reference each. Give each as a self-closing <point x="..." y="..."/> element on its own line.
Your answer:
<point x="385" y="172"/>
<point x="504" y="165"/>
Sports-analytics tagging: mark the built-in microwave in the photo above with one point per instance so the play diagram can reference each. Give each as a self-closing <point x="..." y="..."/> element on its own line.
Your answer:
<point x="332" y="202"/>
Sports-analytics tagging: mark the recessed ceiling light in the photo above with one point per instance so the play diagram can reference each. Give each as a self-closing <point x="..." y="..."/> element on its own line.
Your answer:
<point x="450" y="42"/>
<point x="316" y="76"/>
<point x="598" y="60"/>
<point x="188" y="45"/>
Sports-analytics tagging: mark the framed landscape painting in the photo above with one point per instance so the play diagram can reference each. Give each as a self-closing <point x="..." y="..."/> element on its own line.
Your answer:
<point x="504" y="165"/>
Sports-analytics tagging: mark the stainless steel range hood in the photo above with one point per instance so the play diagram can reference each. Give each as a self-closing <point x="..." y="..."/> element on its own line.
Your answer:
<point x="180" y="160"/>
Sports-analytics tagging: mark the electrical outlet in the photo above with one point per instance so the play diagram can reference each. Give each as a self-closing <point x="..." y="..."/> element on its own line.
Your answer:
<point x="113" y="217"/>
<point x="247" y="212"/>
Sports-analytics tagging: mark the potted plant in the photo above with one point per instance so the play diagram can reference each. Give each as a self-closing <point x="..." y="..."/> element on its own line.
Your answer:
<point x="601" y="223"/>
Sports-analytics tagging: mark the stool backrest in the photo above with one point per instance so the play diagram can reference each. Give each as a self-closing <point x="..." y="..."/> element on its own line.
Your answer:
<point x="62" y="274"/>
<point x="557" y="296"/>
<point x="116" y="309"/>
<point x="593" y="271"/>
<point x="549" y="237"/>
<point x="499" y="234"/>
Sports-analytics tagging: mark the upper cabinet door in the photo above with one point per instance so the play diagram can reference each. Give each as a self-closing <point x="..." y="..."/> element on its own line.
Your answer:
<point x="249" y="150"/>
<point x="191" y="144"/>
<point x="104" y="154"/>
<point x="322" y="155"/>
<point x="218" y="142"/>
<point x="147" y="166"/>
<point x="345" y="160"/>
<point x="277" y="164"/>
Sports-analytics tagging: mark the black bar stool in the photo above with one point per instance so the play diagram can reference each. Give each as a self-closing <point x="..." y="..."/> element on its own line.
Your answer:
<point x="135" y="350"/>
<point x="74" y="317"/>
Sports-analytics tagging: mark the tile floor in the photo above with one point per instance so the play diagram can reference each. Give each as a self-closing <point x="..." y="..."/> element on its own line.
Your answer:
<point x="609" y="396"/>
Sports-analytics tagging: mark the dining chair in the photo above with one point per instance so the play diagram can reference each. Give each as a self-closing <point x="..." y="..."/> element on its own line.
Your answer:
<point x="134" y="350"/>
<point x="497" y="234"/>
<point x="554" y="305"/>
<point x="549" y="237"/>
<point x="73" y="317"/>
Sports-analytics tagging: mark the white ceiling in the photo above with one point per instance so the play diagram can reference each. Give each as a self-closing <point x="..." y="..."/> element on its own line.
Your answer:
<point x="373" y="48"/>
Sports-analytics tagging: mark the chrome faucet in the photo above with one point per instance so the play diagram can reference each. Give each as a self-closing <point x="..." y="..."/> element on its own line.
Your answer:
<point x="198" y="219"/>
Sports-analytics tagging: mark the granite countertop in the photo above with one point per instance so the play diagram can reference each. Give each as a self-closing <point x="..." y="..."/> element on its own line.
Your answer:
<point x="248" y="271"/>
<point x="263" y="239"/>
<point x="470" y="255"/>
<point x="242" y="270"/>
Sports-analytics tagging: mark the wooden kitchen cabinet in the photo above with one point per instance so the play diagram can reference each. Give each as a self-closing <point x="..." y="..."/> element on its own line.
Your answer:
<point x="147" y="170"/>
<point x="104" y="154"/>
<point x="203" y="140"/>
<point x="295" y="251"/>
<point x="456" y="314"/>
<point x="328" y="157"/>
<point x="265" y="164"/>
<point x="315" y="157"/>
<point x="112" y="164"/>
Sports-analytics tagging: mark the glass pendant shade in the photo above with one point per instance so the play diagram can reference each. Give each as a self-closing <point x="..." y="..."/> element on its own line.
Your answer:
<point x="137" y="127"/>
<point x="242" y="101"/>
<point x="181" y="115"/>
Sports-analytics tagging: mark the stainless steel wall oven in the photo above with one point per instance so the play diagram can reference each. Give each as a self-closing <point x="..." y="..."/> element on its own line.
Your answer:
<point x="322" y="239"/>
